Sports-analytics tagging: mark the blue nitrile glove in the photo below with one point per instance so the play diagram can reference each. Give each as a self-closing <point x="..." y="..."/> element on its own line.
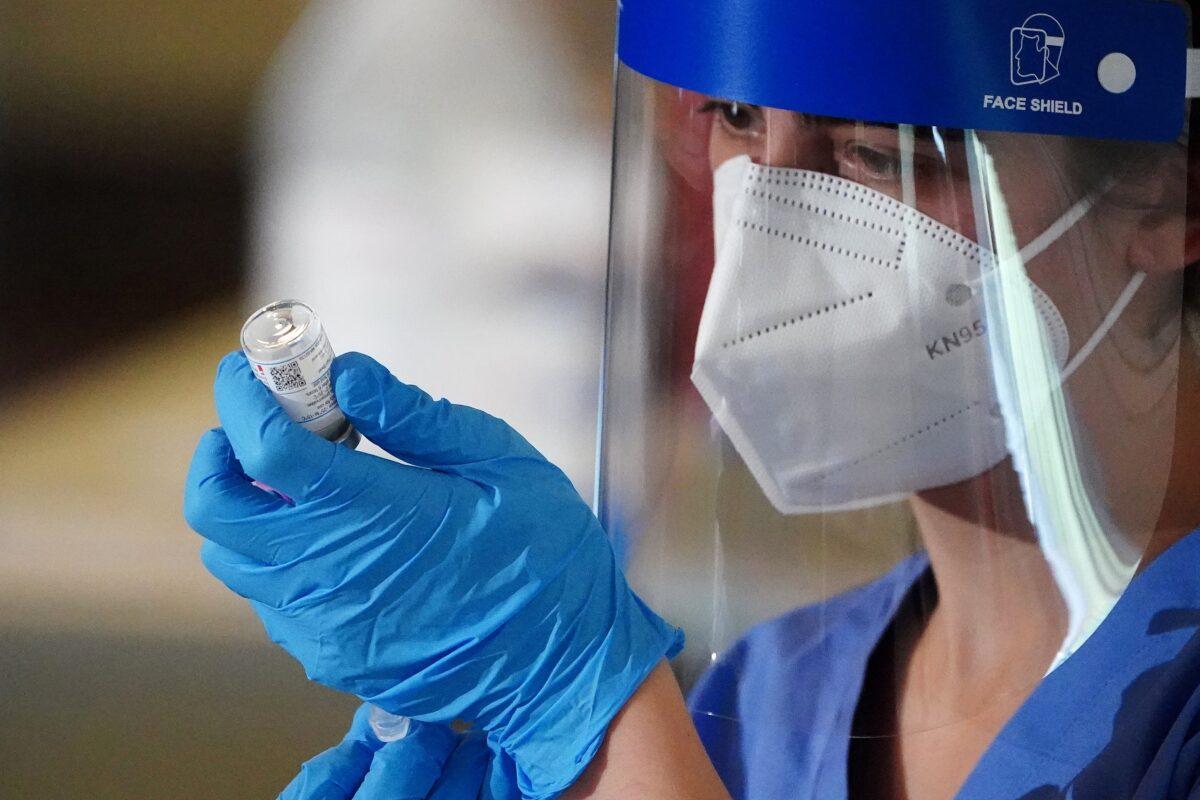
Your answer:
<point x="476" y="584"/>
<point x="431" y="763"/>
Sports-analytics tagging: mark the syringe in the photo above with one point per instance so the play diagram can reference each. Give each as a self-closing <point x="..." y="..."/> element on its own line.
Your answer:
<point x="290" y="353"/>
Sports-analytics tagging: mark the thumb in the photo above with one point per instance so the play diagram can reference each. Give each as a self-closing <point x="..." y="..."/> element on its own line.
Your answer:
<point x="337" y="773"/>
<point x="270" y="446"/>
<point x="412" y="426"/>
<point x="463" y="775"/>
<point x="500" y="782"/>
<point x="408" y="768"/>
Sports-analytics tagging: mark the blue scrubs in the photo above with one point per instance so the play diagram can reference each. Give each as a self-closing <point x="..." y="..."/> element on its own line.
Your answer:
<point x="1119" y="719"/>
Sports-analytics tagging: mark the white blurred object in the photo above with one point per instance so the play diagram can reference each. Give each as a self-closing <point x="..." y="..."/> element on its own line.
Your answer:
<point x="428" y="175"/>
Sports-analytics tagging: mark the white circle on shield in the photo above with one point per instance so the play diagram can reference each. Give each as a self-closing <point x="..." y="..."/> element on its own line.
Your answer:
<point x="1117" y="73"/>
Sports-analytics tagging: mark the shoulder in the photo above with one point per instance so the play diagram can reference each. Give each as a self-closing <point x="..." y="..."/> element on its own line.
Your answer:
<point x="805" y="638"/>
<point x="796" y="672"/>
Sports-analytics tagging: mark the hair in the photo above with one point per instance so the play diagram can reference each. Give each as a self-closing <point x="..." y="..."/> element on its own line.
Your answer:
<point x="1094" y="162"/>
<point x="1094" y="159"/>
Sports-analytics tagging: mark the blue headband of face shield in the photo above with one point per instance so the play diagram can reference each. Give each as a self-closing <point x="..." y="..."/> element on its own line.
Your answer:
<point x="1101" y="69"/>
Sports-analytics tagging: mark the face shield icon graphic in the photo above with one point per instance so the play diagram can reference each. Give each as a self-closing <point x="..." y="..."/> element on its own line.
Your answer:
<point x="1037" y="47"/>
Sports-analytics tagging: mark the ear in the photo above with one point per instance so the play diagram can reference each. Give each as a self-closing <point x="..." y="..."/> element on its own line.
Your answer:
<point x="1167" y="238"/>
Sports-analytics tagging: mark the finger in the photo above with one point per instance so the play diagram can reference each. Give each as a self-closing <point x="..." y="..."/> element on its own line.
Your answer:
<point x="336" y="773"/>
<point x="274" y="586"/>
<point x="221" y="504"/>
<point x="407" y="769"/>
<point x="414" y="427"/>
<point x="270" y="446"/>
<point x="462" y="776"/>
<point x="501" y="781"/>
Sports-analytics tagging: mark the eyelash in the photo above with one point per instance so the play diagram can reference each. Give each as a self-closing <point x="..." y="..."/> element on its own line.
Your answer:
<point x="732" y="110"/>
<point x="876" y="162"/>
<point x="729" y="110"/>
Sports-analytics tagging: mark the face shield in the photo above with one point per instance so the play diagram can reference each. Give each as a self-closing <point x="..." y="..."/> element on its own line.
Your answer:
<point x="894" y="332"/>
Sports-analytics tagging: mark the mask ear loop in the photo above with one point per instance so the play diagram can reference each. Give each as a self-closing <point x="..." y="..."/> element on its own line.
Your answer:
<point x="1070" y="218"/>
<point x="1073" y="216"/>
<point x="1114" y="314"/>
<point x="1052" y="234"/>
<point x="1048" y="237"/>
<point x="1089" y="558"/>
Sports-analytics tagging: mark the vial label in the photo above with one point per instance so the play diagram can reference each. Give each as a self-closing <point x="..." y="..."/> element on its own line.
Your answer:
<point x="302" y="384"/>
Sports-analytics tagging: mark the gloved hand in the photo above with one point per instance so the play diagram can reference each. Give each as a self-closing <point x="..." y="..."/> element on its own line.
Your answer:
<point x="474" y="584"/>
<point x="431" y="763"/>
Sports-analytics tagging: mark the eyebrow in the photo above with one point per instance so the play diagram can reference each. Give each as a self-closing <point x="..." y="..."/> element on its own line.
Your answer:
<point x="923" y="132"/>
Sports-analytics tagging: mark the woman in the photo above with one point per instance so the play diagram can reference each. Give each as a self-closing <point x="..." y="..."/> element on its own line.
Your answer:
<point x="922" y="316"/>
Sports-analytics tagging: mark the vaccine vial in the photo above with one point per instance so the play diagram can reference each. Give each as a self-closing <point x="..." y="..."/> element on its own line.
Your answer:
<point x="290" y="353"/>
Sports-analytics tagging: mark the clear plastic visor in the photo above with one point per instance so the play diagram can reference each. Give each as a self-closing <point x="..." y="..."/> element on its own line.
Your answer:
<point x="889" y="410"/>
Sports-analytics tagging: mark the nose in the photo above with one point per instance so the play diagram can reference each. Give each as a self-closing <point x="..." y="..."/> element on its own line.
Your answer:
<point x="776" y="138"/>
<point x="797" y="141"/>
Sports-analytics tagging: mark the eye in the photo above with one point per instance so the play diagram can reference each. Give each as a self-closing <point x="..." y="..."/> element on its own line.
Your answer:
<point x="872" y="162"/>
<point x="860" y="160"/>
<point x="739" y="119"/>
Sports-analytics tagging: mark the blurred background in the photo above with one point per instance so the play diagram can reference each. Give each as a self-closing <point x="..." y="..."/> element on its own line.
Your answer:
<point x="430" y="175"/>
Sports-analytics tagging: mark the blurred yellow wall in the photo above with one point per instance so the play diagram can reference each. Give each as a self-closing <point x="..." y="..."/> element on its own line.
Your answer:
<point x="125" y="671"/>
<point x="108" y="78"/>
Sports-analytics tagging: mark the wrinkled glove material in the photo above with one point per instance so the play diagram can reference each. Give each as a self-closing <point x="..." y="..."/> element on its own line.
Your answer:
<point x="431" y="763"/>
<point x="468" y="582"/>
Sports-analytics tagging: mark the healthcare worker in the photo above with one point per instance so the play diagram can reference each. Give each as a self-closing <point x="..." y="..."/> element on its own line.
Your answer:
<point x="883" y="289"/>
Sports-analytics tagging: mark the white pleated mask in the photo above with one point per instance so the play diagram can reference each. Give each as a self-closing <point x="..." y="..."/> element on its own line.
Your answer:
<point x="842" y="346"/>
